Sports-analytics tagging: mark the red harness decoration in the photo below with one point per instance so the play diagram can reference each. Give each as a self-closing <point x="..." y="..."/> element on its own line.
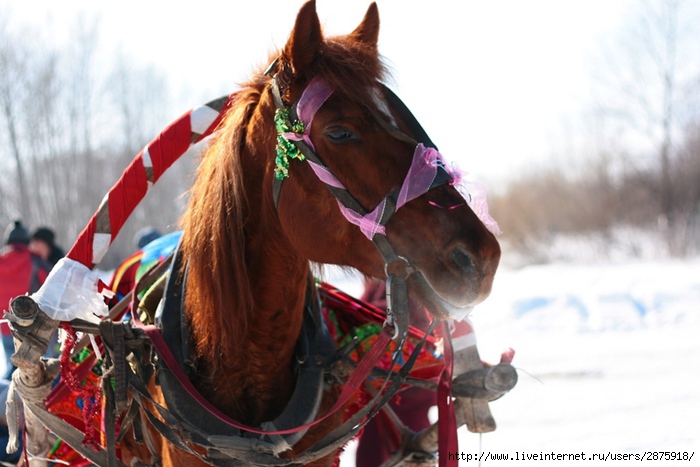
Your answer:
<point x="145" y="170"/>
<point x="89" y="395"/>
<point x="352" y="322"/>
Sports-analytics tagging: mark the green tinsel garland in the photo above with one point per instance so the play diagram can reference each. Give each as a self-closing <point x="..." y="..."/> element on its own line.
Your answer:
<point x="285" y="149"/>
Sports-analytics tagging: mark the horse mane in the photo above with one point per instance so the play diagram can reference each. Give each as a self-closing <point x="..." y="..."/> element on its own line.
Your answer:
<point x="214" y="239"/>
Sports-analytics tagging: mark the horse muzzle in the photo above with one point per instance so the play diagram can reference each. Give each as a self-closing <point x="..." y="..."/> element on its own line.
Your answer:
<point x="454" y="283"/>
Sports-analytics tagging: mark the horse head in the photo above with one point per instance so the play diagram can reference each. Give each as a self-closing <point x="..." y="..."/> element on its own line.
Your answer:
<point x="378" y="164"/>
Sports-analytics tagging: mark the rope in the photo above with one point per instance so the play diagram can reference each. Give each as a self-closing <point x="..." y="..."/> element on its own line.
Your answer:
<point x="27" y="395"/>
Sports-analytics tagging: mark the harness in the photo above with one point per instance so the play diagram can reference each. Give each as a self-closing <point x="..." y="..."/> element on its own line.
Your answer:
<point x="315" y="352"/>
<point x="191" y="421"/>
<point x="428" y="170"/>
<point x="190" y="410"/>
<point x="315" y="349"/>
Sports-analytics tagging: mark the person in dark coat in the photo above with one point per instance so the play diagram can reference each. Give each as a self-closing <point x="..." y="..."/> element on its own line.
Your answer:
<point x="43" y="244"/>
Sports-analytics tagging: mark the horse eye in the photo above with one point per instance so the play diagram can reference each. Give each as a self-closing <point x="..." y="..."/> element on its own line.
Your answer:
<point x="339" y="134"/>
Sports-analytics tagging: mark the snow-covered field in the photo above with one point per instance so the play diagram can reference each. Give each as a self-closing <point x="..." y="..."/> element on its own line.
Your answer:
<point x="608" y="358"/>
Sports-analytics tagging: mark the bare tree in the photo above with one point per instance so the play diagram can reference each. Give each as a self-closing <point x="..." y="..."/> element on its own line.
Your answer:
<point x="686" y="190"/>
<point x="69" y="126"/>
<point x="13" y="57"/>
<point x="649" y="91"/>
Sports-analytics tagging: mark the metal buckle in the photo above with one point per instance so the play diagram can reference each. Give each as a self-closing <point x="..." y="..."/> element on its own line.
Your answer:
<point x="389" y="308"/>
<point x="403" y="272"/>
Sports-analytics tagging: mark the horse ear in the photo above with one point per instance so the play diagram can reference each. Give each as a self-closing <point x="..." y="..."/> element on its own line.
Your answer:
<point x="368" y="30"/>
<point x="306" y="38"/>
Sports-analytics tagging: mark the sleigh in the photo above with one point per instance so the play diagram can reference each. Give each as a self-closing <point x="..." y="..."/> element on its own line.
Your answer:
<point x="59" y="431"/>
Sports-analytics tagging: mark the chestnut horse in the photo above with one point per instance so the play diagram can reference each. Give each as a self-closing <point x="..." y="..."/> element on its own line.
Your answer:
<point x="248" y="248"/>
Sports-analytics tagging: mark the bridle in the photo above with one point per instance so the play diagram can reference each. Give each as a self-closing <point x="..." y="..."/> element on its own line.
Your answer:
<point x="428" y="170"/>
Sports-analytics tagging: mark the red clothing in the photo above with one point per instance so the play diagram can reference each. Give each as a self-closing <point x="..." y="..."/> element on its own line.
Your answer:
<point x="21" y="272"/>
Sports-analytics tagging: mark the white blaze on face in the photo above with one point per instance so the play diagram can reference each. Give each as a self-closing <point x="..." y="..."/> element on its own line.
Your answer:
<point x="383" y="107"/>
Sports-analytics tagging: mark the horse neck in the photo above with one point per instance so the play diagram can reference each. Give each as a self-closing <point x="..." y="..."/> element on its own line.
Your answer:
<point x="279" y="283"/>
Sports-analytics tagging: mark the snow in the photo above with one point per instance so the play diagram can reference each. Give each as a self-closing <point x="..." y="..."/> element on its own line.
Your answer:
<point x="608" y="357"/>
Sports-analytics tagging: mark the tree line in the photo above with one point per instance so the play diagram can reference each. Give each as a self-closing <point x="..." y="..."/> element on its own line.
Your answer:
<point x="641" y="172"/>
<point x="71" y="119"/>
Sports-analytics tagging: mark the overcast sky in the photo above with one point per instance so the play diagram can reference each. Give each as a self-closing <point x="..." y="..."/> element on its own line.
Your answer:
<point x="495" y="83"/>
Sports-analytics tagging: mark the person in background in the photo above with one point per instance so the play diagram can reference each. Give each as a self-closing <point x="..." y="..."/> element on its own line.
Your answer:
<point x="21" y="272"/>
<point x="43" y="244"/>
<point x="145" y="236"/>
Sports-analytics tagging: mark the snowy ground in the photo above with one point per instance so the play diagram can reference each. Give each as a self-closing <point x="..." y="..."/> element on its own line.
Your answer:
<point x="608" y="358"/>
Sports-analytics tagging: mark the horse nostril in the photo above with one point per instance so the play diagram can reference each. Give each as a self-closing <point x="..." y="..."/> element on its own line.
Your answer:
<point x="462" y="260"/>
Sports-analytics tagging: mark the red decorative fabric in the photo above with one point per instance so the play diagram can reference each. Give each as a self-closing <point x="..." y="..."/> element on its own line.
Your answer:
<point x="90" y="395"/>
<point x="126" y="194"/>
<point x="131" y="188"/>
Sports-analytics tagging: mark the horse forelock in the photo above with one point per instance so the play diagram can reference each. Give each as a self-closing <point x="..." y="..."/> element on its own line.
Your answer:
<point x="352" y="68"/>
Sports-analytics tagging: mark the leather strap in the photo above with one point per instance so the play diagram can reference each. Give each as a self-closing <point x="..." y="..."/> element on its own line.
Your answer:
<point x="72" y="436"/>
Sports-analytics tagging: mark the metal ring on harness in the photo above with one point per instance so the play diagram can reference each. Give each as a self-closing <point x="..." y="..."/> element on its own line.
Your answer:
<point x="397" y="295"/>
<point x="406" y="271"/>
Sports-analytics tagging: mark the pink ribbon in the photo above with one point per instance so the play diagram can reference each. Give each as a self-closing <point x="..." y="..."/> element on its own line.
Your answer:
<point x="313" y="97"/>
<point x="419" y="178"/>
<point x="369" y="223"/>
<point x="422" y="173"/>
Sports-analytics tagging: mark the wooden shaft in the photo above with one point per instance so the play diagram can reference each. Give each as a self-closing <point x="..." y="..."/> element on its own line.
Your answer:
<point x="485" y="383"/>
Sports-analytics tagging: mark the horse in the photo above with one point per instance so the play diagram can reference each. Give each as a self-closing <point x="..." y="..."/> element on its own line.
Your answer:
<point x="255" y="224"/>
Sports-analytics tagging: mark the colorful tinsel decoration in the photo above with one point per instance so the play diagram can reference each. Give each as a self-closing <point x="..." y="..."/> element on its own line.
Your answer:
<point x="286" y="149"/>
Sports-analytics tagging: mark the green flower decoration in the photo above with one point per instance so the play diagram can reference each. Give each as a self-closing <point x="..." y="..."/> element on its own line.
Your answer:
<point x="285" y="149"/>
